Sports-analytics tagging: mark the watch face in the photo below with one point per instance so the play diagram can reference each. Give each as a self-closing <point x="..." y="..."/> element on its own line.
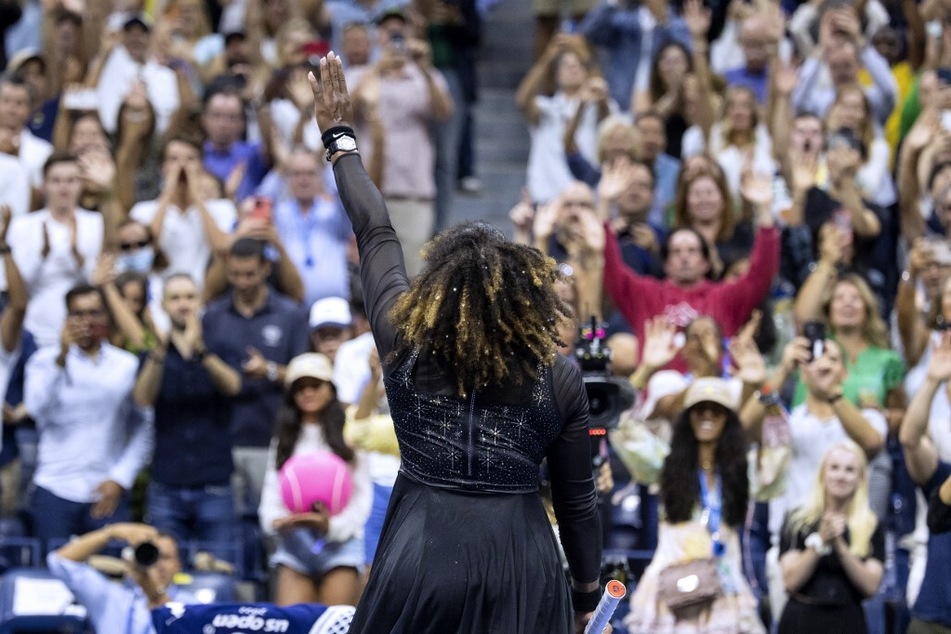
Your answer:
<point x="346" y="144"/>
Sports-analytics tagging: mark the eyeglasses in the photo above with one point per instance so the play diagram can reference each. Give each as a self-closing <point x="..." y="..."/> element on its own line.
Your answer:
<point x="130" y="246"/>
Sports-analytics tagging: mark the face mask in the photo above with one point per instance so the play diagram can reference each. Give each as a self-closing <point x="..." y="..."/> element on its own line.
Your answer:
<point x="138" y="261"/>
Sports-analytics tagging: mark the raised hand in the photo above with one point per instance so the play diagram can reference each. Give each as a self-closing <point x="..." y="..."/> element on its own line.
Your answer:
<point x="98" y="170"/>
<point x="545" y="221"/>
<point x="590" y="233"/>
<point x="615" y="179"/>
<point x="924" y="130"/>
<point x="523" y="213"/>
<point x="750" y="365"/>
<point x="939" y="369"/>
<point x="785" y="78"/>
<point x="830" y="244"/>
<point x="660" y="343"/>
<point x="331" y="100"/>
<point x="795" y="354"/>
<point x="756" y="188"/>
<point x="697" y="18"/>
<point x="105" y="272"/>
<point x="804" y="171"/>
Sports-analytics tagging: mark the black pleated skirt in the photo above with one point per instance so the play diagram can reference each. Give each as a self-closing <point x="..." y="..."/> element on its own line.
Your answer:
<point x="450" y="561"/>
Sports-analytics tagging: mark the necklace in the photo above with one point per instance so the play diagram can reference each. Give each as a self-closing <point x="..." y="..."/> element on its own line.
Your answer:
<point x="706" y="465"/>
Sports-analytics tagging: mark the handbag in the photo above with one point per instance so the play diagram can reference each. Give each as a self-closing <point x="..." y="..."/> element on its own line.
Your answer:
<point x="688" y="584"/>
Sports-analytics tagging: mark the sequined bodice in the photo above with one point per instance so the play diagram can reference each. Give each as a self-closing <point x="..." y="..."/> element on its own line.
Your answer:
<point x="468" y="444"/>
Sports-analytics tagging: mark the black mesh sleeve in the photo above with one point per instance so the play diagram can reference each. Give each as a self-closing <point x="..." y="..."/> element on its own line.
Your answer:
<point x="381" y="258"/>
<point x="572" y="477"/>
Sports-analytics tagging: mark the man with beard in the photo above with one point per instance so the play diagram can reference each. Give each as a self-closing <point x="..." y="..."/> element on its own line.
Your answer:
<point x="265" y="330"/>
<point x="188" y="385"/>
<point x="93" y="440"/>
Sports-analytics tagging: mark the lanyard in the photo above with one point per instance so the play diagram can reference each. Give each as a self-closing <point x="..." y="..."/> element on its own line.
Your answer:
<point x="712" y="510"/>
<point x="306" y="223"/>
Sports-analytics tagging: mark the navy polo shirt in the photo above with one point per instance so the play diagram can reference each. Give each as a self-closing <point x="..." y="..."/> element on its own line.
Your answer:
<point x="192" y="440"/>
<point x="279" y="332"/>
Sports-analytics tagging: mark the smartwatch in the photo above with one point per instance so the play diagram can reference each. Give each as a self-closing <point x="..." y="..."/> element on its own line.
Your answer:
<point x="342" y="142"/>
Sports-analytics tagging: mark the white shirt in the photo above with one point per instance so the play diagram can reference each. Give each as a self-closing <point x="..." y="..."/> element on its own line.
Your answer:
<point x="345" y="524"/>
<point x="548" y="172"/>
<point x="33" y="154"/>
<point x="118" y="73"/>
<point x="48" y="279"/>
<point x="14" y="184"/>
<point x="7" y="360"/>
<point x="183" y="235"/>
<point x="90" y="431"/>
<point x="286" y="116"/>
<point x="811" y="438"/>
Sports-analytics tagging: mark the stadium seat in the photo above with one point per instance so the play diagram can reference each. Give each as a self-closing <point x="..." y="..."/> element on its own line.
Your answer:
<point x="33" y="600"/>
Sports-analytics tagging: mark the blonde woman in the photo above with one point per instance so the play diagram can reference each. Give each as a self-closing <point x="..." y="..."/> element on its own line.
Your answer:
<point x="832" y="548"/>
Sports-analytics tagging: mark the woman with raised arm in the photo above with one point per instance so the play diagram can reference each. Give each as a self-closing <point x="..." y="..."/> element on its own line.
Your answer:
<point x="479" y="397"/>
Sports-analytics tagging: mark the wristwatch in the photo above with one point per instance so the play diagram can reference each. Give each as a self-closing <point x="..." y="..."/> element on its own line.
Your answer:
<point x="270" y="371"/>
<point x="835" y="397"/>
<point x="816" y="543"/>
<point x="342" y="142"/>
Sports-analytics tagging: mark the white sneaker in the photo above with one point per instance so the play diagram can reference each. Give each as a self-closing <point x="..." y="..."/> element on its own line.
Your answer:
<point x="470" y="185"/>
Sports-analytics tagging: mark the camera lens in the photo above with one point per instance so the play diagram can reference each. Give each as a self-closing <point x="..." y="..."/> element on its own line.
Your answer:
<point x="146" y="554"/>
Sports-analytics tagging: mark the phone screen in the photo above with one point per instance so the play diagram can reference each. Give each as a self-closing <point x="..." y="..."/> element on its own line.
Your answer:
<point x="815" y="332"/>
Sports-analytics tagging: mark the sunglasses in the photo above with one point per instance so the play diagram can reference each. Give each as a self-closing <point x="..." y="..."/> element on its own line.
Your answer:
<point x="130" y="246"/>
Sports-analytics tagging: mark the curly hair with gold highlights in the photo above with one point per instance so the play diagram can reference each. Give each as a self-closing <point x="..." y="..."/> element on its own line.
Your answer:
<point x="486" y="308"/>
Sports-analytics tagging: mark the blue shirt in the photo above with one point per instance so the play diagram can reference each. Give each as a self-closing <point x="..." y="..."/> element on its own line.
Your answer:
<point x="192" y="444"/>
<point x="221" y="164"/>
<point x="113" y="608"/>
<point x="279" y="332"/>
<point x="618" y="30"/>
<point x="316" y="242"/>
<point x="934" y="599"/>
<point x="666" y="171"/>
<point x="757" y="82"/>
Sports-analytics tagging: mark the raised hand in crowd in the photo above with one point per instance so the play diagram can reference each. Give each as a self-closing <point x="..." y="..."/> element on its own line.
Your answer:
<point x="544" y="224"/>
<point x="661" y="345"/>
<point x="698" y="17"/>
<point x="522" y="215"/>
<point x="939" y="369"/>
<point x="746" y="357"/>
<point x="757" y="190"/>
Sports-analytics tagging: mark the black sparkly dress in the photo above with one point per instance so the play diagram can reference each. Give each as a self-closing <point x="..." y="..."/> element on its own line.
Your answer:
<point x="466" y="545"/>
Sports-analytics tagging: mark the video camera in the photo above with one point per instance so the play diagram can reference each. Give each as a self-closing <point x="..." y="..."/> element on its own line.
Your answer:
<point x="608" y="395"/>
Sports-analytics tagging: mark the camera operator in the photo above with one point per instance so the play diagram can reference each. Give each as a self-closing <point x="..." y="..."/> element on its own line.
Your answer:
<point x="121" y="607"/>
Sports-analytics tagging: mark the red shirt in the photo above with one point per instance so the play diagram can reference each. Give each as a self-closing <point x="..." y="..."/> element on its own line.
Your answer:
<point x="639" y="297"/>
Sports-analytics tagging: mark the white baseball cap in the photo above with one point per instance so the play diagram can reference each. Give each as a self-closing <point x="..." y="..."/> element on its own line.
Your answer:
<point x="330" y="311"/>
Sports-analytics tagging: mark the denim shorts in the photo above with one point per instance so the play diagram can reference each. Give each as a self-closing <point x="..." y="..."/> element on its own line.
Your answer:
<point x="302" y="552"/>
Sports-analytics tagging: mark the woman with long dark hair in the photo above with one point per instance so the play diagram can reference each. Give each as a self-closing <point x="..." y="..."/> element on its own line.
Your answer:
<point x="704" y="489"/>
<point x="311" y="420"/>
<point x="479" y="397"/>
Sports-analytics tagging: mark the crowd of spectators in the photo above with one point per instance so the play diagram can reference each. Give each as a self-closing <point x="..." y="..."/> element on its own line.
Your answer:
<point x="754" y="192"/>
